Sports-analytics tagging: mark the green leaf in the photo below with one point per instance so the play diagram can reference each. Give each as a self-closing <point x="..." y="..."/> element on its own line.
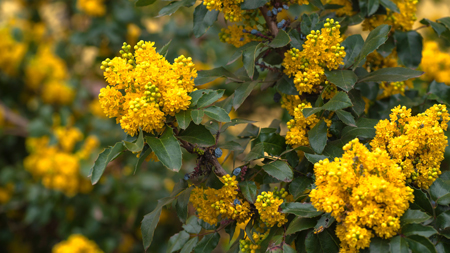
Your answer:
<point x="142" y="3"/>
<point x="445" y="21"/>
<point x="177" y="241"/>
<point x="338" y="102"/>
<point x="235" y="122"/>
<point x="376" y="38"/>
<point x="209" y="98"/>
<point x="286" y="86"/>
<point x="106" y="156"/>
<point x="252" y="4"/>
<point x="387" y="48"/>
<point x="174" y="6"/>
<point x="279" y="170"/>
<point x="144" y="153"/>
<point x="372" y="6"/>
<point x="346" y="118"/>
<point x="255" y="153"/>
<point x="420" y="244"/>
<point x="248" y="58"/>
<point x="299" y="185"/>
<point x="390" y="5"/>
<point x="322" y="242"/>
<point x="273" y="143"/>
<point x="309" y="22"/>
<point x="399" y="245"/>
<point x="197" y="116"/>
<point x="365" y="128"/>
<point x="317" y="136"/>
<point x="317" y="3"/>
<point x="192" y="225"/>
<point x="300" y="224"/>
<point x="352" y="46"/>
<point x="137" y="145"/>
<point x="440" y="191"/>
<point x="249" y="190"/>
<point x="438" y="28"/>
<point x="422" y="202"/>
<point x="164" y="49"/>
<point x="418" y="229"/>
<point x="198" y="134"/>
<point x="378" y="245"/>
<point x="189" y="246"/>
<point x="310" y="111"/>
<point x="288" y="249"/>
<point x="242" y="92"/>
<point x="206" y="76"/>
<point x="409" y="48"/>
<point x="281" y="40"/>
<point x="439" y="92"/>
<point x="344" y="79"/>
<point x="443" y="221"/>
<point x="183" y="118"/>
<point x="207" y="243"/>
<point x="359" y="105"/>
<point x="391" y="75"/>
<point x="305" y="210"/>
<point x="313" y="158"/>
<point x="296" y="40"/>
<point x="182" y="204"/>
<point x="167" y="149"/>
<point x="413" y="216"/>
<point x="150" y="221"/>
<point x="203" y="19"/>
<point x="217" y="113"/>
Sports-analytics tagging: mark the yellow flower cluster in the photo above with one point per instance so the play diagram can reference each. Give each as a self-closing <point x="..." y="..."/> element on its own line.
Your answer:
<point x="143" y="88"/>
<point x="224" y="202"/>
<point x="76" y="243"/>
<point x="57" y="164"/>
<point x="268" y="206"/>
<point x="399" y="21"/>
<point x="246" y="245"/>
<point x="392" y="88"/>
<point x="236" y="36"/>
<point x="321" y="50"/>
<point x="365" y="191"/>
<point x="95" y="8"/>
<point x="6" y="193"/>
<point x="231" y="8"/>
<point x="299" y="126"/>
<point x="290" y="102"/>
<point x="435" y="63"/>
<point x="47" y="73"/>
<point x="346" y="8"/>
<point x="12" y="51"/>
<point x="416" y="143"/>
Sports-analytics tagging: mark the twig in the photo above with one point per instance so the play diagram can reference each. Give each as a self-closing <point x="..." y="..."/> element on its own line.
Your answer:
<point x="420" y="27"/>
<point x="271" y="24"/>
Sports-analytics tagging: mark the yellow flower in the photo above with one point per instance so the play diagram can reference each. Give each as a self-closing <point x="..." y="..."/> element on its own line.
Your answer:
<point x="95" y="8"/>
<point x="435" y="63"/>
<point x="346" y="8"/>
<point x="12" y="51"/>
<point x="56" y="92"/>
<point x="399" y="21"/>
<point x="268" y="206"/>
<point x="236" y="36"/>
<point x="76" y="243"/>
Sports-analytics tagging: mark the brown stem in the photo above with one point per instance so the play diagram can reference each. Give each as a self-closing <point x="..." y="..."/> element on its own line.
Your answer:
<point x="271" y="23"/>
<point x="216" y="230"/>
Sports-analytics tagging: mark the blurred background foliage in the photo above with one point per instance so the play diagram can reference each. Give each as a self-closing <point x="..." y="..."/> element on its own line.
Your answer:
<point x="50" y="118"/>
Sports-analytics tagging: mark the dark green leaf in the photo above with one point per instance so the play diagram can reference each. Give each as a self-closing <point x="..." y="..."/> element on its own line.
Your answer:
<point x="164" y="49"/>
<point x="167" y="149"/>
<point x="376" y="38"/>
<point x="438" y="28"/>
<point x="391" y="75"/>
<point x="174" y="6"/>
<point x="443" y="221"/>
<point x="273" y="58"/>
<point x="189" y="246"/>
<point x="418" y="229"/>
<point x="352" y="46"/>
<point x="137" y="145"/>
<point x="317" y="3"/>
<point x="192" y="225"/>
<point x="249" y="131"/>
<point x="300" y="224"/>
<point x="281" y="40"/>
<point x="286" y="86"/>
<point x="279" y="170"/>
<point x="299" y="185"/>
<point x="255" y="153"/>
<point x="310" y="111"/>
<point x="420" y="244"/>
<point x="413" y="216"/>
<point x="378" y="245"/>
<point x="249" y="190"/>
<point x="240" y="50"/>
<point x="390" y="5"/>
<point x="440" y="92"/>
<point x="346" y="117"/>
<point x="372" y="6"/>
<point x="203" y="19"/>
<point x="182" y="204"/>
<point x="387" y="48"/>
<point x="296" y="40"/>
<point x="106" y="156"/>
<point x="321" y="242"/>
<point x="305" y="210"/>
<point x="235" y="122"/>
<point x="440" y="191"/>
<point x="399" y="245"/>
<point x="422" y="202"/>
<point x="338" y="102"/>
<point x="273" y="143"/>
<point x="197" y="134"/>
<point x="344" y="79"/>
<point x="359" y="105"/>
<point x="148" y="226"/>
<point x="217" y="113"/>
<point x="445" y="21"/>
<point x="206" y="76"/>
<point x="317" y="136"/>
<point x="183" y="118"/>
<point x="141" y="3"/>
<point x="252" y="4"/>
<point x="242" y="92"/>
<point x="207" y="243"/>
<point x="365" y="128"/>
<point x="308" y="23"/>
<point x="197" y="116"/>
<point x="145" y="152"/>
<point x="209" y="98"/>
<point x="313" y="158"/>
<point x="288" y="249"/>
<point x="197" y="94"/>
<point x="409" y="48"/>
<point x="248" y="58"/>
<point x="177" y="241"/>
